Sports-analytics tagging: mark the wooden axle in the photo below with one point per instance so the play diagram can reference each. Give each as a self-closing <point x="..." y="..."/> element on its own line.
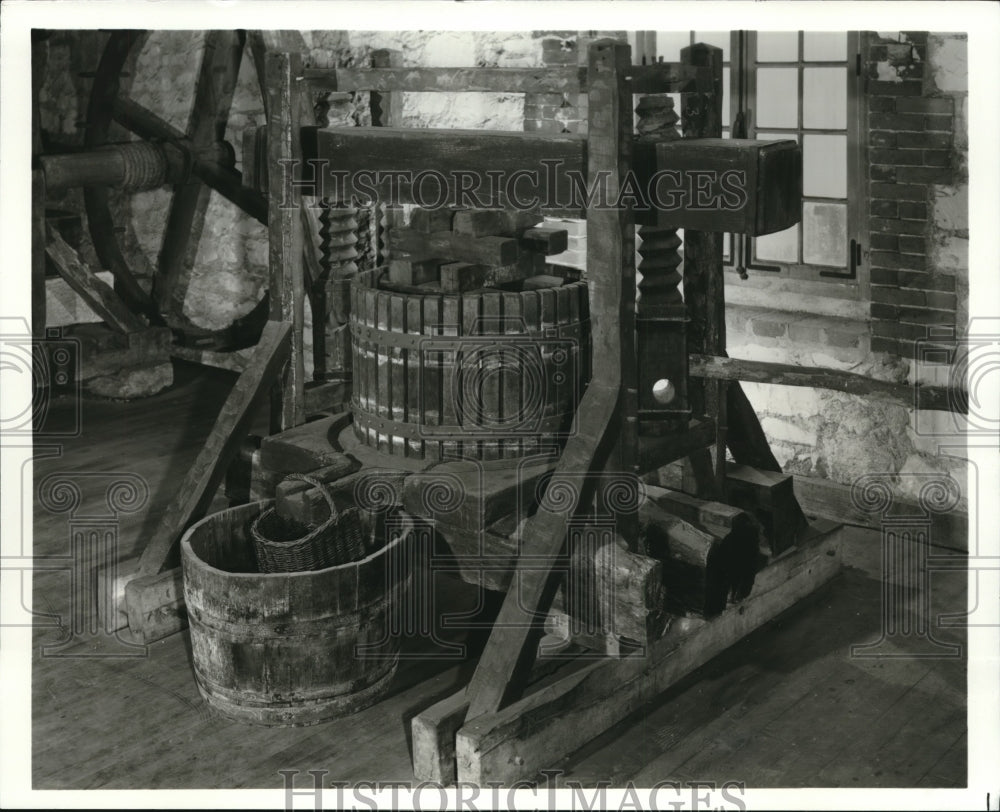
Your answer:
<point x="134" y="165"/>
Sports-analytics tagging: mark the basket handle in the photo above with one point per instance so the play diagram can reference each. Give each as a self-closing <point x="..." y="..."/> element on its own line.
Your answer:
<point x="321" y="487"/>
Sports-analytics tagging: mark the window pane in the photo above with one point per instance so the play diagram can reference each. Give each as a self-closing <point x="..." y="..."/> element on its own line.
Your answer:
<point x="780" y="247"/>
<point x="824" y="170"/>
<point x="669" y="44"/>
<point x="824" y="98"/>
<point x="824" y="46"/>
<point x="777" y="97"/>
<point x="720" y="39"/>
<point x="824" y="234"/>
<point x="777" y="46"/>
<point x="725" y="97"/>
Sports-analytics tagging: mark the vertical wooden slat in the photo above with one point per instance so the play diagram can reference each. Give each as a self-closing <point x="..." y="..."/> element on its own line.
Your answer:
<point x="432" y="376"/>
<point x="490" y="372"/>
<point x="397" y="374"/>
<point x="382" y="352"/>
<point x="285" y="232"/>
<point x="371" y="365"/>
<point x="451" y="319"/>
<point x="532" y="315"/>
<point x="356" y="393"/>
<point x="547" y="321"/>
<point x="510" y="405"/>
<point x="467" y="370"/>
<point x="414" y="415"/>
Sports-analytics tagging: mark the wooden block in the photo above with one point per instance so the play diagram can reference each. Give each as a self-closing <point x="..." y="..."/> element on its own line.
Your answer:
<point x="155" y="605"/>
<point x="705" y="565"/>
<point x="770" y="497"/>
<point x="545" y="726"/>
<point x="485" y="492"/>
<point x="302" y="448"/>
<point x="459" y="277"/>
<point x="112" y="610"/>
<point x="611" y="592"/>
<point x="331" y="396"/>
<point x="459" y="247"/>
<point x="434" y="732"/>
<point x="542" y="281"/>
<point x="412" y="272"/>
<point x="730" y="185"/>
<point x="298" y="500"/>
<point x="429" y="220"/>
<point x="495" y="222"/>
<point x="434" y="728"/>
<point x="546" y="239"/>
<point x="657" y="451"/>
<point x="694" y="510"/>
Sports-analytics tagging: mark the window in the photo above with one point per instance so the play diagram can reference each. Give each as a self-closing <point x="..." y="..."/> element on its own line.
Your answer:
<point x="804" y="86"/>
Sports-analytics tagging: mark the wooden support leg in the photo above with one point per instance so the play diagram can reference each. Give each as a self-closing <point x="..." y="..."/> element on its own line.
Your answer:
<point x="505" y="664"/>
<point x="198" y="487"/>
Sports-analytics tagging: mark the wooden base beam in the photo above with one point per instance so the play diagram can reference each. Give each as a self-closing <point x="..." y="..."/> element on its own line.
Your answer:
<point x="549" y="724"/>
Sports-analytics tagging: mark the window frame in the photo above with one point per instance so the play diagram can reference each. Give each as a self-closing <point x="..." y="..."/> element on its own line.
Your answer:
<point x="850" y="281"/>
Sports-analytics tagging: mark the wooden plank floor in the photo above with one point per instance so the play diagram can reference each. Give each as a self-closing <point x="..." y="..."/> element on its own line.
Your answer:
<point x="786" y="707"/>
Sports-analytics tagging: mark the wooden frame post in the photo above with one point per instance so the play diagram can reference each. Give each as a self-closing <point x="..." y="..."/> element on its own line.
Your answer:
<point x="285" y="237"/>
<point x="506" y="663"/>
<point x="704" y="294"/>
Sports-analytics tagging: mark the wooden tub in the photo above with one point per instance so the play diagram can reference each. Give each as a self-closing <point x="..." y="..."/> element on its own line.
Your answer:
<point x="290" y="648"/>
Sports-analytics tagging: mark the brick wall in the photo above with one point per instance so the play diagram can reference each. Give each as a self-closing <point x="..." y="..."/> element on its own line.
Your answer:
<point x="916" y="160"/>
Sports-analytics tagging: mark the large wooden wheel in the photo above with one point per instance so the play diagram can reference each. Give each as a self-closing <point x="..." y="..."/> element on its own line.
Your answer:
<point x="202" y="159"/>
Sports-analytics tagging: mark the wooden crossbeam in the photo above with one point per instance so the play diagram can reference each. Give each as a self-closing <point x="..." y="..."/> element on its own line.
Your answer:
<point x="662" y="77"/>
<point x="379" y="151"/>
<point x="915" y="395"/>
<point x="99" y="296"/>
<point x="203" y="477"/>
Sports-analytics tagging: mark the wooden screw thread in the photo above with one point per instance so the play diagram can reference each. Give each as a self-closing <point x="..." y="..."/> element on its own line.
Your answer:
<point x="660" y="260"/>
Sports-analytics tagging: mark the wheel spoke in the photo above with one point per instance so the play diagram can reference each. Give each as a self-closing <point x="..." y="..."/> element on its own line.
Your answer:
<point x="227" y="182"/>
<point x="99" y="219"/>
<point x="213" y="99"/>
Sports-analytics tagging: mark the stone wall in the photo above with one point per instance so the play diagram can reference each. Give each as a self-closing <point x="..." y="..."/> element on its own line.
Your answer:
<point x="917" y="138"/>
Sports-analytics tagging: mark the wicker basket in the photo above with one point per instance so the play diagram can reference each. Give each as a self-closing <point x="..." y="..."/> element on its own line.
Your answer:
<point x="285" y="545"/>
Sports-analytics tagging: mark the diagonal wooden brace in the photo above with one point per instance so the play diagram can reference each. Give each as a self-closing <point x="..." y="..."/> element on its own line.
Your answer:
<point x="604" y="436"/>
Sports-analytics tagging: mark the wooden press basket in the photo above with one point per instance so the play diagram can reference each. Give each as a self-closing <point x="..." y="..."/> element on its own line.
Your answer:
<point x="284" y="545"/>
